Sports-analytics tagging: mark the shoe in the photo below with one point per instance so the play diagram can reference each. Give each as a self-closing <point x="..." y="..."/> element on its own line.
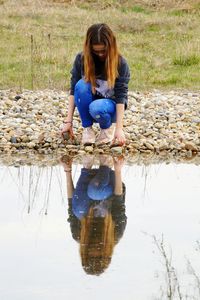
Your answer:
<point x="88" y="136"/>
<point x="106" y="135"/>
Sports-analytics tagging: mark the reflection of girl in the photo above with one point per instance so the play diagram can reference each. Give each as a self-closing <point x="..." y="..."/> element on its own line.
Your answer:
<point x="97" y="212"/>
<point x="99" y="86"/>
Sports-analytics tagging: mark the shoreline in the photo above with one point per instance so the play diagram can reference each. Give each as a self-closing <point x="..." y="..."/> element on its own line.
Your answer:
<point x="33" y="158"/>
<point x="156" y="121"/>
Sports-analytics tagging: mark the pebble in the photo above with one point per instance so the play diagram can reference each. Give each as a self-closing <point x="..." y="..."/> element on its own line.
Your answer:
<point x="155" y="121"/>
<point x="191" y="146"/>
<point x="13" y="139"/>
<point x="89" y="149"/>
<point x="117" y="150"/>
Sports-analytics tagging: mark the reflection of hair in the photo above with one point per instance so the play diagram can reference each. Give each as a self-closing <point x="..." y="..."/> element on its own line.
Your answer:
<point x="97" y="241"/>
<point x="101" y="34"/>
<point x="97" y="235"/>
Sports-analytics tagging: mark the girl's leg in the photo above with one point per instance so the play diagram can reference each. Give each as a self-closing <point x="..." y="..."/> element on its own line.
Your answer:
<point x="83" y="98"/>
<point x="100" y="187"/>
<point x="103" y="111"/>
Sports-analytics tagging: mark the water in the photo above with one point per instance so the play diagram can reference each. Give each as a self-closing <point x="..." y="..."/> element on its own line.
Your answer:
<point x="156" y="252"/>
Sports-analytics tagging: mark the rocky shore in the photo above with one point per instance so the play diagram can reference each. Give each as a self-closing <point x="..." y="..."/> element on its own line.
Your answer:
<point x="157" y="121"/>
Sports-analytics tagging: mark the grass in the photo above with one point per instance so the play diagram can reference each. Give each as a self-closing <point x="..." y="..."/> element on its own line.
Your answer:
<point x="187" y="60"/>
<point x="135" y="9"/>
<point x="160" y="40"/>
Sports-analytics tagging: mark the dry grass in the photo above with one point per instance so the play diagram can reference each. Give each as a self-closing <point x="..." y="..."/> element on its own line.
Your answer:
<point x="160" y="40"/>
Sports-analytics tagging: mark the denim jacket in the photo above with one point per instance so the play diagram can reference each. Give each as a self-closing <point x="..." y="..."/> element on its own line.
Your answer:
<point x="120" y="90"/>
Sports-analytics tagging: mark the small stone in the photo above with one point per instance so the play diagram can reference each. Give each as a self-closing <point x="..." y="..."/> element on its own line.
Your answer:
<point x="135" y="145"/>
<point x="133" y="108"/>
<point x="158" y="125"/>
<point x="191" y="146"/>
<point x="29" y="129"/>
<point x="149" y="146"/>
<point x="33" y="126"/>
<point x="70" y="146"/>
<point x="17" y="97"/>
<point x="41" y="138"/>
<point x="81" y="152"/>
<point x="13" y="140"/>
<point x="66" y="136"/>
<point x="25" y="139"/>
<point x="189" y="154"/>
<point x="31" y="145"/>
<point x="3" y="140"/>
<point x="98" y="151"/>
<point x="89" y="149"/>
<point x="48" y="140"/>
<point x="117" y="150"/>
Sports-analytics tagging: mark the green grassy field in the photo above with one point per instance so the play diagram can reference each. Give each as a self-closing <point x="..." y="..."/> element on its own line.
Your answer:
<point x="160" y="40"/>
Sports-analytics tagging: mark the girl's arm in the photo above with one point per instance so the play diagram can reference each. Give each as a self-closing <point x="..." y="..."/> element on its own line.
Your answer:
<point x="68" y="122"/>
<point x="119" y="136"/>
<point x="70" y="185"/>
<point x="75" y="76"/>
<point x="71" y="108"/>
<point x="67" y="165"/>
<point x="121" y="98"/>
<point x="118" y="164"/>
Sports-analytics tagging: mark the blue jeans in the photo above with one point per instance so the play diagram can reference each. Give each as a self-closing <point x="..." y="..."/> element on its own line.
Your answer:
<point x="93" y="185"/>
<point x="91" y="109"/>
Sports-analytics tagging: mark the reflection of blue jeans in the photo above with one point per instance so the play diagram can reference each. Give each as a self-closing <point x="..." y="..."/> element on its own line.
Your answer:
<point x="93" y="184"/>
<point x="102" y="111"/>
<point x="101" y="186"/>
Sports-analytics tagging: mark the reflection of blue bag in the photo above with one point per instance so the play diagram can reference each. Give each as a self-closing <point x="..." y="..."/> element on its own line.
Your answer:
<point x="94" y="184"/>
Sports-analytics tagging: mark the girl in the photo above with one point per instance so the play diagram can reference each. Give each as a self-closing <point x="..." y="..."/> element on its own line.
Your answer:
<point x="99" y="86"/>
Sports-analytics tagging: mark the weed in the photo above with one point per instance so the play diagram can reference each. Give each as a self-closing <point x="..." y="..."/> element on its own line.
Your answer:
<point x="130" y="26"/>
<point x="6" y="27"/>
<point x="171" y="80"/>
<point x="140" y="9"/>
<point x="135" y="9"/>
<point x="153" y="27"/>
<point x="186" y="60"/>
<point x="178" y="13"/>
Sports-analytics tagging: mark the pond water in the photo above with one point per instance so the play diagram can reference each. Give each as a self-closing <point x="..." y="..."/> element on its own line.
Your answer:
<point x="101" y="231"/>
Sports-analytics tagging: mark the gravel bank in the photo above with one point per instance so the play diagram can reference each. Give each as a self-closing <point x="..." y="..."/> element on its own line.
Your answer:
<point x="157" y="121"/>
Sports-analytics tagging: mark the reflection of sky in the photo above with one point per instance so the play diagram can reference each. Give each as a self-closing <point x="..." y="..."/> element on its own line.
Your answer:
<point x="40" y="260"/>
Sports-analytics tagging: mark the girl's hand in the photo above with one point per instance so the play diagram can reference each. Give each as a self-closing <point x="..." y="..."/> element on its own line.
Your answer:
<point x="118" y="163"/>
<point x="119" y="137"/>
<point x="67" y="128"/>
<point x="66" y="162"/>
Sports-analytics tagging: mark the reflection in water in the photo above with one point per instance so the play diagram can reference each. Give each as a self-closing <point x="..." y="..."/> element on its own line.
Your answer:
<point x="35" y="238"/>
<point x="96" y="210"/>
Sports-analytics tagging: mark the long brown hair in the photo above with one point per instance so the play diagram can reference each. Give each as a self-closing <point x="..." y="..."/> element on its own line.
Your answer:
<point x="97" y="240"/>
<point x="101" y="34"/>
